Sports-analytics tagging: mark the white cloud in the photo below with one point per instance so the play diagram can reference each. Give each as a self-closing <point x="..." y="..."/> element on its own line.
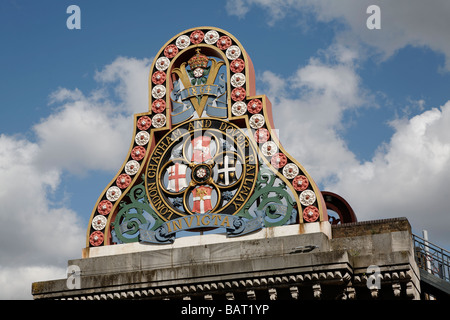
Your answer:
<point x="309" y="114"/>
<point x="131" y="76"/>
<point x="406" y="177"/>
<point x="84" y="132"/>
<point x="15" y="282"/>
<point x="94" y="132"/>
<point x="403" y="22"/>
<point x="34" y="233"/>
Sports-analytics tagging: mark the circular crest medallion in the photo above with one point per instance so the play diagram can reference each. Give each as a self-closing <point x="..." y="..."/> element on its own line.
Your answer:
<point x="201" y="166"/>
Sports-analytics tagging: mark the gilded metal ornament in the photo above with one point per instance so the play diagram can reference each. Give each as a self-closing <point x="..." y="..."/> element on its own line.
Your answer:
<point x="233" y="52"/>
<point x="132" y="167"/>
<point x="211" y="37"/>
<point x="158" y="106"/>
<point x="171" y="51"/>
<point x="199" y="168"/>
<point x="159" y="120"/>
<point x="183" y="42"/>
<point x="290" y="171"/>
<point x="104" y="207"/>
<point x="254" y="106"/>
<point x="311" y="214"/>
<point x="300" y="183"/>
<point x="144" y="123"/>
<point x="113" y="193"/>
<point x="257" y="121"/>
<point x="158" y="91"/>
<point x="238" y="80"/>
<point x="99" y="222"/>
<point x="307" y="197"/>
<point x="239" y="108"/>
<point x="138" y="153"/>
<point x="162" y="63"/>
<point x="237" y="65"/>
<point x="218" y="181"/>
<point x="269" y="148"/>
<point x="142" y="137"/>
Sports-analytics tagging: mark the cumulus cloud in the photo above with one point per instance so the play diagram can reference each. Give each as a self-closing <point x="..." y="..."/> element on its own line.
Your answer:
<point x="403" y="22"/>
<point x="406" y="176"/>
<point x="309" y="114"/>
<point x="86" y="131"/>
<point x="131" y="78"/>
<point x="16" y="281"/>
<point x="83" y="132"/>
<point x="35" y="233"/>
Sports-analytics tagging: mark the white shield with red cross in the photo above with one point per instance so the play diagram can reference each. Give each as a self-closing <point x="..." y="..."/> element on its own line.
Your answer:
<point x="177" y="177"/>
<point x="202" y="199"/>
<point x="201" y="149"/>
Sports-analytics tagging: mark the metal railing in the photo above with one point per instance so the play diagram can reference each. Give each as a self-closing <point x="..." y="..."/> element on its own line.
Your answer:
<point x="432" y="258"/>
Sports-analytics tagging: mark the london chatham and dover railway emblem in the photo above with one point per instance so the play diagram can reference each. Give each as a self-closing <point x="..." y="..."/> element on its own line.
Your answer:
<point x="205" y="155"/>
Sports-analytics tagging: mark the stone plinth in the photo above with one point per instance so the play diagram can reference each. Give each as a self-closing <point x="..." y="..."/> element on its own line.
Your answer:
<point x="274" y="263"/>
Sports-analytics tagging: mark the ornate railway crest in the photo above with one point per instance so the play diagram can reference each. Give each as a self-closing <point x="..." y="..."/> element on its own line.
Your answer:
<point x="201" y="166"/>
<point x="205" y="155"/>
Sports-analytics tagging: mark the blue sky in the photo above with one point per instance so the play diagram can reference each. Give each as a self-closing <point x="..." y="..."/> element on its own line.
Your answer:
<point x="366" y="112"/>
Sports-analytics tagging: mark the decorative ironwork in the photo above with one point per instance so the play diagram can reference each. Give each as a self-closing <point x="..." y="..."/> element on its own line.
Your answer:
<point x="134" y="215"/>
<point x="270" y="200"/>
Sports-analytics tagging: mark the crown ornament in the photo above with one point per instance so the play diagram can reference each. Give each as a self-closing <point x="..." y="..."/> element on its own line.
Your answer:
<point x="199" y="60"/>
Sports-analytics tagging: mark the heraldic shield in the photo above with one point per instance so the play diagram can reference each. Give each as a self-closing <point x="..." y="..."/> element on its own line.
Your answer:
<point x="177" y="177"/>
<point x="205" y="155"/>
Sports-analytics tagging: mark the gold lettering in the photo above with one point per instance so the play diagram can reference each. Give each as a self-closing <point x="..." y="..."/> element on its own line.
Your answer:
<point x="223" y="126"/>
<point x="241" y="197"/>
<point x="199" y="124"/>
<point x="190" y="221"/>
<point x="169" y="229"/>
<point x="215" y="217"/>
<point x="151" y="170"/>
<point x="225" y="220"/>
<point x="169" y="140"/>
<point x="155" y="159"/>
<point x="176" y="134"/>
<point x="203" y="220"/>
<point x="151" y="187"/>
<point x="250" y="170"/>
<point x="177" y="225"/>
